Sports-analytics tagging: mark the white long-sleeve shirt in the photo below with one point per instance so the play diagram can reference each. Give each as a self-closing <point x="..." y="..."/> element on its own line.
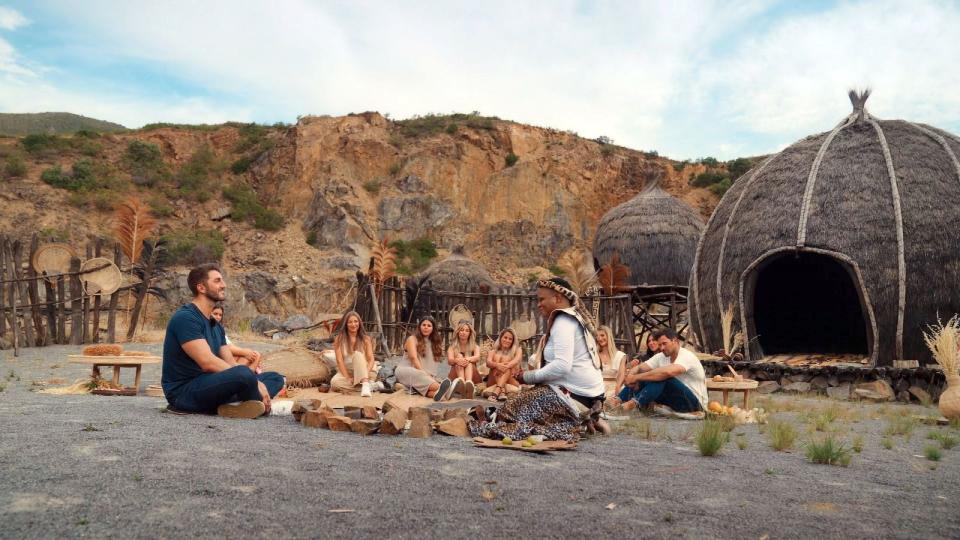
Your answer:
<point x="567" y="360"/>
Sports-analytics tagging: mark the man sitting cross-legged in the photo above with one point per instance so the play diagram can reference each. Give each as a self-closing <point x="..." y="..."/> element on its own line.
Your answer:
<point x="673" y="378"/>
<point x="200" y="374"/>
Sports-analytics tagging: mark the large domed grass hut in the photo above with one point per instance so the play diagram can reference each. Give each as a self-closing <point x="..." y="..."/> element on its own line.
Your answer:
<point x="655" y="236"/>
<point x="845" y="242"/>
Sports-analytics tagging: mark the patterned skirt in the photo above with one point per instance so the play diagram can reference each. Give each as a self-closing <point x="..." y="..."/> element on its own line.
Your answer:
<point x="536" y="411"/>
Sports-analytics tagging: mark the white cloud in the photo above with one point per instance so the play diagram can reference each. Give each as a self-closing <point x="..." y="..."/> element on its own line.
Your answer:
<point x="792" y="79"/>
<point x="11" y="19"/>
<point x="687" y="78"/>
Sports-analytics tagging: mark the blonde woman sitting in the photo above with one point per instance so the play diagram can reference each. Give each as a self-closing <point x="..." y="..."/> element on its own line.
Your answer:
<point x="354" y="353"/>
<point x="463" y="356"/>
<point x="504" y="363"/>
<point x="611" y="359"/>
<point x="419" y="369"/>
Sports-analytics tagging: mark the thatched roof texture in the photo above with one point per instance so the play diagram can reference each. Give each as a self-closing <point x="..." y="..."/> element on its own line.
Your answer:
<point x="456" y="273"/>
<point x="655" y="235"/>
<point x="881" y="197"/>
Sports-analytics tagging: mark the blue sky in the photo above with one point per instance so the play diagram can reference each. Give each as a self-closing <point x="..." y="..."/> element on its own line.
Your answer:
<point x="685" y="78"/>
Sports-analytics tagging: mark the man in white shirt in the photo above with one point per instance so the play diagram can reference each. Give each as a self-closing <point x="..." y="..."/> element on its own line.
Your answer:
<point x="673" y="378"/>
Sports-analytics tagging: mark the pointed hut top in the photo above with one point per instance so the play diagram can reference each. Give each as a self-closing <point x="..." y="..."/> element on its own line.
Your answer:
<point x="859" y="99"/>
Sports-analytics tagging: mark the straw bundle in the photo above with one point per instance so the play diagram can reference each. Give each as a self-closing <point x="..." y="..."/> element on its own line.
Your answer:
<point x="942" y="340"/>
<point x="578" y="269"/>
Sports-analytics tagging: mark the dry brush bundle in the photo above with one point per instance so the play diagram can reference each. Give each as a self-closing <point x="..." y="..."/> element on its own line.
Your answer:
<point x="383" y="264"/>
<point x="614" y="275"/>
<point x="942" y="340"/>
<point x="133" y="224"/>
<point x="731" y="340"/>
<point x="577" y="266"/>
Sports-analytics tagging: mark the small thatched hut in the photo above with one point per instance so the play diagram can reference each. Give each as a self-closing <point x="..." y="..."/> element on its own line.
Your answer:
<point x="654" y="234"/>
<point x="845" y="242"/>
<point x="456" y="273"/>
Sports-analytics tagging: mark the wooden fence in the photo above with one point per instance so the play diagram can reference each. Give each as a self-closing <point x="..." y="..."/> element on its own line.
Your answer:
<point x="39" y="310"/>
<point x="492" y="312"/>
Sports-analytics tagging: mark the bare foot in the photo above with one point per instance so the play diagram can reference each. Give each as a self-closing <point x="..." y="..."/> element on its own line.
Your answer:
<point x="628" y="406"/>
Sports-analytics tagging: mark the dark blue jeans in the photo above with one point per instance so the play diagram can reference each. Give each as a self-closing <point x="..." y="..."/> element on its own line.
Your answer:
<point x="669" y="392"/>
<point x="210" y="390"/>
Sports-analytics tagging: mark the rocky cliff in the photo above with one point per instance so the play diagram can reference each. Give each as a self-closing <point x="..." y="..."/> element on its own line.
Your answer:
<point x="514" y="197"/>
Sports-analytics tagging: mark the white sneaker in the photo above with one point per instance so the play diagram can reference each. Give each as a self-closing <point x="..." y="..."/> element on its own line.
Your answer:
<point x="378" y="386"/>
<point x="365" y="389"/>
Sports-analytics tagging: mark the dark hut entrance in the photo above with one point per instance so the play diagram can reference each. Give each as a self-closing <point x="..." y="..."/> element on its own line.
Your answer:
<point x="808" y="303"/>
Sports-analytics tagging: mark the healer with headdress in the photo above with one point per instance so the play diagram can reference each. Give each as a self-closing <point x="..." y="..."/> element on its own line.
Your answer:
<point x="568" y="389"/>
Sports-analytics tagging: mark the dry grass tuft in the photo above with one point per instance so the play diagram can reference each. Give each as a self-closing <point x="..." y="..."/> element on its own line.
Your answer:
<point x="711" y="437"/>
<point x="828" y="451"/>
<point x="942" y="341"/>
<point x="900" y="426"/>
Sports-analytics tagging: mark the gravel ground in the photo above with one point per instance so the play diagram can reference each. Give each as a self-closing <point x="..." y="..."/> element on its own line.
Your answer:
<point x="119" y="467"/>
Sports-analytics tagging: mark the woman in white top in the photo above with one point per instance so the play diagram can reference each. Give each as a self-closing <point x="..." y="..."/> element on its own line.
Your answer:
<point x="504" y="363"/>
<point x="247" y="357"/>
<point x="611" y="358"/>
<point x="571" y="373"/>
<point x="419" y="369"/>
<point x="463" y="355"/>
<point x="354" y="353"/>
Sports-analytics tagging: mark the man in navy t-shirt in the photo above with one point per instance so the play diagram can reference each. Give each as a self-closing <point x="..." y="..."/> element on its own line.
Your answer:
<point x="200" y="374"/>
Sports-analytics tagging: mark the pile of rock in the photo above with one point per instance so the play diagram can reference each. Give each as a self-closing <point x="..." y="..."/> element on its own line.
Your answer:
<point x="906" y="385"/>
<point x="416" y="422"/>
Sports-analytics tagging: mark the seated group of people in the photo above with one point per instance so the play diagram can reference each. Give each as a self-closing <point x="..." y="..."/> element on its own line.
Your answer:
<point x="562" y="393"/>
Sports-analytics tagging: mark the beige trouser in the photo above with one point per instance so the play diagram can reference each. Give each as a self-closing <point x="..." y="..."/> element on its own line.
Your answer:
<point x="357" y="366"/>
<point x="417" y="379"/>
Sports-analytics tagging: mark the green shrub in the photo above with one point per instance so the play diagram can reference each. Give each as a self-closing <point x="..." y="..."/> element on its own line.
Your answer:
<point x="652" y="154"/>
<point x="14" y="167"/>
<point x="781" y="434"/>
<point x="711" y="437"/>
<point x="242" y="164"/>
<point x="511" y="159"/>
<point x="86" y="175"/>
<point x="251" y="136"/>
<point x="607" y="149"/>
<point x="708" y="178"/>
<point x="901" y="425"/>
<point x="413" y="256"/>
<point x="55" y="177"/>
<point x="828" y="451"/>
<point x="86" y="134"/>
<point x="709" y="161"/>
<point x="432" y="124"/>
<point x="40" y="144"/>
<point x="932" y="452"/>
<point x="192" y="246"/>
<point x="680" y="165"/>
<point x="312" y="238"/>
<point x="247" y="207"/>
<point x="160" y="207"/>
<point x="193" y="178"/>
<point x="145" y="162"/>
<point x="887" y="443"/>
<point x="738" y="166"/>
<point x="857" y="444"/>
<point x="720" y="187"/>
<point x="54" y="234"/>
<point x="451" y="129"/>
<point x="372" y="186"/>
<point x="556" y="270"/>
<point x="395" y="168"/>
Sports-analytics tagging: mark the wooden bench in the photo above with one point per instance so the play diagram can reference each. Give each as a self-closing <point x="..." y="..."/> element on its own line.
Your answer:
<point x="116" y="362"/>
<point x="744" y="387"/>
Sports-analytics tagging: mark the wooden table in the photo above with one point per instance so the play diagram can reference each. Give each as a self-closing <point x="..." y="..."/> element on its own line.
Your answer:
<point x="744" y="387"/>
<point x="116" y="362"/>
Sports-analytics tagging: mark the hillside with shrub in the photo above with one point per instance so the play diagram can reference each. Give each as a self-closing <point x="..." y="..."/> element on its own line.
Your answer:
<point x="52" y="123"/>
<point x="305" y="202"/>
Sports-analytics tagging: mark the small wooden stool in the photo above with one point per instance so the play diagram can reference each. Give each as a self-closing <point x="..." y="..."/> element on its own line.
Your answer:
<point x="116" y="362"/>
<point x="744" y="386"/>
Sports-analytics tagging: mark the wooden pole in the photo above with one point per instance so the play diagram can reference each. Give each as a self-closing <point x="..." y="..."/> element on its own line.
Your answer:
<point x="23" y="298"/>
<point x="85" y="313"/>
<point x="377" y="320"/>
<point x="95" y="327"/>
<point x="141" y="294"/>
<point x="3" y="296"/>
<point x="51" y="311"/>
<point x="114" y="299"/>
<point x="76" y="303"/>
<point x="61" y="310"/>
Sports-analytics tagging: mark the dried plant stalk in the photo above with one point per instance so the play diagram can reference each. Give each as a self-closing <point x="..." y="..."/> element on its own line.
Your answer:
<point x="133" y="225"/>
<point x="726" y="327"/>
<point x="577" y="266"/>
<point x="383" y="264"/>
<point x="942" y="341"/>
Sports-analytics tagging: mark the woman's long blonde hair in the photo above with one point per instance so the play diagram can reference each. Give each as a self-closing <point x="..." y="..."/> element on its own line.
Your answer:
<point x="471" y="341"/>
<point x="513" y="347"/>
<point x="611" y="344"/>
<point x="342" y="341"/>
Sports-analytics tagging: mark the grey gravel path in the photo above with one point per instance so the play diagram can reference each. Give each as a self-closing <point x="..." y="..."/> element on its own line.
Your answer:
<point x="91" y="466"/>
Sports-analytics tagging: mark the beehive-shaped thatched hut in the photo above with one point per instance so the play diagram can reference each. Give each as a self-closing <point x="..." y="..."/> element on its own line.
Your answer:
<point x="654" y="234"/>
<point x="845" y="242"/>
<point x="456" y="273"/>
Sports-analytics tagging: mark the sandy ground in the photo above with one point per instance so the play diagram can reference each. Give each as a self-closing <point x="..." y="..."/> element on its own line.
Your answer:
<point x="73" y="466"/>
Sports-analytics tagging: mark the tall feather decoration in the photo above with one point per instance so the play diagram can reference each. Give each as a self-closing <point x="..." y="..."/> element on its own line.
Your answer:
<point x="133" y="224"/>
<point x="578" y="269"/>
<point x="383" y="264"/>
<point x="614" y="275"/>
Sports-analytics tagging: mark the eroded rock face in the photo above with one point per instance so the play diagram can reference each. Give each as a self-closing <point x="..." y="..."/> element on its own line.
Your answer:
<point x="333" y="222"/>
<point x="411" y="217"/>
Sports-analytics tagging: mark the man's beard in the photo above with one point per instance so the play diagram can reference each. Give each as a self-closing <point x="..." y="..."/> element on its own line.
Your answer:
<point x="214" y="297"/>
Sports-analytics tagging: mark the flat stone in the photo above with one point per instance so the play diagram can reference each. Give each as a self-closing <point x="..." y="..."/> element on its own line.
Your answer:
<point x="340" y="423"/>
<point x="394" y="421"/>
<point x="768" y="387"/>
<point x="365" y="426"/>
<point x="820" y="382"/>
<point x="903" y="385"/>
<point x="456" y="427"/>
<point x="903" y="396"/>
<point x="297" y="322"/>
<point x="264" y="323"/>
<point x="841" y="391"/>
<point x="877" y="390"/>
<point x="220" y="213"/>
<point x="922" y="395"/>
<point x="797" y="387"/>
